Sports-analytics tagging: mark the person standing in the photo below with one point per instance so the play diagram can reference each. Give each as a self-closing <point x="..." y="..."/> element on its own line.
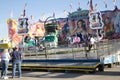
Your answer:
<point x="16" y="59"/>
<point x="92" y="42"/>
<point x="5" y="57"/>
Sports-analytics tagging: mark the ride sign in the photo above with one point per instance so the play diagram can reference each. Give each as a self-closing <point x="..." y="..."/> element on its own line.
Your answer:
<point x="23" y="26"/>
<point x="95" y="20"/>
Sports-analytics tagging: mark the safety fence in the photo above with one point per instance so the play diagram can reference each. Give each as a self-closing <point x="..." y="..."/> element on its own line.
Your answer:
<point x="105" y="47"/>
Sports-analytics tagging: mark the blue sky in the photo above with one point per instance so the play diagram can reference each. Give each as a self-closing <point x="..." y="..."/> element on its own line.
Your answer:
<point x="46" y="7"/>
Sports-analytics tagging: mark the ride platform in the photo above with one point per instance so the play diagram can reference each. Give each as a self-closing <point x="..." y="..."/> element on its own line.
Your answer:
<point x="89" y="65"/>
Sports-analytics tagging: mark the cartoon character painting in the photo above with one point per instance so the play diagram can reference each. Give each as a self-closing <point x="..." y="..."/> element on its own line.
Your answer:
<point x="108" y="27"/>
<point x="95" y="20"/>
<point x="23" y="26"/>
<point x="117" y="21"/>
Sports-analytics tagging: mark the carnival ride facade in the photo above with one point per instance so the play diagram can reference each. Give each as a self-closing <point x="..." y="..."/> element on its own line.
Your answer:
<point x="95" y="23"/>
<point x="70" y="29"/>
<point x="51" y="37"/>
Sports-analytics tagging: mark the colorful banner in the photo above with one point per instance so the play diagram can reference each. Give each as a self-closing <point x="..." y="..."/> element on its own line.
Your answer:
<point x="12" y="27"/>
<point x="40" y="30"/>
<point x="32" y="30"/>
<point x="37" y="29"/>
<point x="12" y="31"/>
<point x="16" y="39"/>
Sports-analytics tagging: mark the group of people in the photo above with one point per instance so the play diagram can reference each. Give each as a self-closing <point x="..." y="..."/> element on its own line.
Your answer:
<point x="15" y="55"/>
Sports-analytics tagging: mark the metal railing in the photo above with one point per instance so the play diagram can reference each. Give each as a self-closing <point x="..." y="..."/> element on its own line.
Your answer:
<point x="105" y="47"/>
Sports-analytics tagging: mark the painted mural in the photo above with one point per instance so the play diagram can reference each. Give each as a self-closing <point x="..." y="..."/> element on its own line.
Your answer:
<point x="12" y="30"/>
<point x="111" y="23"/>
<point x="106" y="22"/>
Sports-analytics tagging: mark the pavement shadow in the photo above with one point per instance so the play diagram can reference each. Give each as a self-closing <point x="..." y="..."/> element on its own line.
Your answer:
<point x="51" y="74"/>
<point x="68" y="74"/>
<point x="108" y="73"/>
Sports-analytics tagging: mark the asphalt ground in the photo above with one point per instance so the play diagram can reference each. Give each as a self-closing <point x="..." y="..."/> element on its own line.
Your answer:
<point x="108" y="74"/>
